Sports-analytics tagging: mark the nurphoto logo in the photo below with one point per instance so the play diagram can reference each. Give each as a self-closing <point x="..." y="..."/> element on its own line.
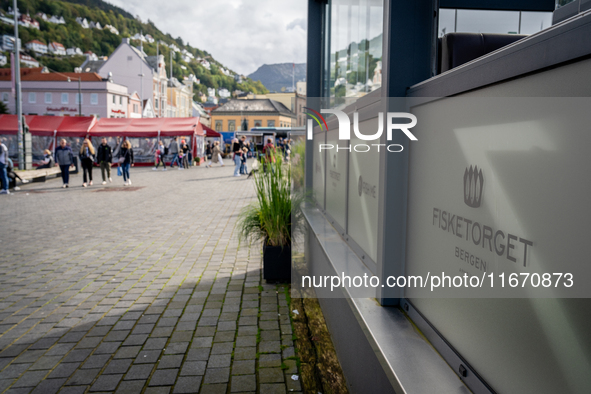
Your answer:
<point x="345" y="130"/>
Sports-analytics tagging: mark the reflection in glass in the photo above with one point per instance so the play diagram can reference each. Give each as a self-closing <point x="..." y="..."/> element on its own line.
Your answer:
<point x="353" y="48"/>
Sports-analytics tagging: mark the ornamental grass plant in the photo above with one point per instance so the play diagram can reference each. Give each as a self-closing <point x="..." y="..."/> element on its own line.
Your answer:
<point x="277" y="207"/>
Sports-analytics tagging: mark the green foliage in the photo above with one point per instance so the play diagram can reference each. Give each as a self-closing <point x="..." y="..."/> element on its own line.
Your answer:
<point x="103" y="42"/>
<point x="271" y="217"/>
<point x="3" y="109"/>
<point x="298" y="163"/>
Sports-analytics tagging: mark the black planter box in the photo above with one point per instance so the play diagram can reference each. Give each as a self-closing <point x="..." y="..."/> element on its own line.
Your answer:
<point x="277" y="263"/>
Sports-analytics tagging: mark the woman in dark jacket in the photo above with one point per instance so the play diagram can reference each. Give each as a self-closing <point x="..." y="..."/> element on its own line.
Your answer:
<point x="125" y="161"/>
<point x="64" y="158"/>
<point x="87" y="159"/>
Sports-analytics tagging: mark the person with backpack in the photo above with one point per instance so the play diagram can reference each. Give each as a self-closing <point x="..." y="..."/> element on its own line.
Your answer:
<point x="125" y="161"/>
<point x="64" y="157"/>
<point x="104" y="156"/>
<point x="87" y="160"/>
<point x="3" y="167"/>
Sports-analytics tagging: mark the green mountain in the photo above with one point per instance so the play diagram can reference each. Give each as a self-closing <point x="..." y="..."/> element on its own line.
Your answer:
<point x="103" y="42"/>
<point x="277" y="77"/>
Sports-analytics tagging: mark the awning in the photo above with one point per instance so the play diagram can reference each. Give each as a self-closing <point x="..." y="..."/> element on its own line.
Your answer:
<point x="46" y="125"/>
<point x="209" y="132"/>
<point x="146" y="127"/>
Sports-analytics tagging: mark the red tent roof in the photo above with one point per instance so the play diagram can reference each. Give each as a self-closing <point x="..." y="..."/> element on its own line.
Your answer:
<point x="46" y="125"/>
<point x="84" y="125"/>
<point x="147" y="127"/>
<point x="210" y="132"/>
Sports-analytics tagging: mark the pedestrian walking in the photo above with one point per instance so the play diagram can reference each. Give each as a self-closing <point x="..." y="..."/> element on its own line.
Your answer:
<point x="269" y="153"/>
<point x="64" y="157"/>
<point x="104" y="157"/>
<point x="87" y="160"/>
<point x="208" y="149"/>
<point x="236" y="156"/>
<point x="173" y="149"/>
<point x="243" y="167"/>
<point x="3" y="168"/>
<point x="47" y="161"/>
<point x="185" y="149"/>
<point x="159" y="159"/>
<point x="126" y="161"/>
<point x="216" y="155"/>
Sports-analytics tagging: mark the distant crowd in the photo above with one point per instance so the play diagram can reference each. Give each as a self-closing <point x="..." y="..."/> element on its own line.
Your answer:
<point x="122" y="156"/>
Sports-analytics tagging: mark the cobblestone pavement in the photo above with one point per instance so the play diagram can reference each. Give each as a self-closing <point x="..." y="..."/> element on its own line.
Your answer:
<point x="141" y="289"/>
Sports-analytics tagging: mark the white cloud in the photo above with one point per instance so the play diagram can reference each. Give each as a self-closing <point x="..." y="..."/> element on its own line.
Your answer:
<point x="241" y="34"/>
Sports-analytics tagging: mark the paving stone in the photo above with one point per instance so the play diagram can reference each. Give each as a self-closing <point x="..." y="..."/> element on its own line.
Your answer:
<point x="130" y="387"/>
<point x="245" y="367"/>
<point x="30" y="379"/>
<point x="117" y="367"/>
<point x="217" y="375"/>
<point x="202" y="342"/>
<point x="243" y="383"/>
<point x="187" y="384"/>
<point x="48" y="386"/>
<point x="106" y="383"/>
<point x="245" y="353"/>
<point x="224" y="336"/>
<point x="139" y="372"/>
<point x="270" y="375"/>
<point x="163" y="377"/>
<point x="83" y="376"/>
<point x="272" y="389"/>
<point x="269" y="360"/>
<point x="158" y="390"/>
<point x="176" y="348"/>
<point x="214" y="389"/>
<point x="198" y="354"/>
<point x="98" y="361"/>
<point x="170" y="362"/>
<point x="219" y="361"/>
<point x="128" y="352"/>
<point x="269" y="347"/>
<point x="292" y="385"/>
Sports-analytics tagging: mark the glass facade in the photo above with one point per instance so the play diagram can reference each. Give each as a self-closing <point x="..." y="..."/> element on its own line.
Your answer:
<point x="353" y="48"/>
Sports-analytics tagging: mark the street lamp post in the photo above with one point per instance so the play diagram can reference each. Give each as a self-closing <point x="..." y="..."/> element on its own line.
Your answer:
<point x="17" y="86"/>
<point x="79" y="98"/>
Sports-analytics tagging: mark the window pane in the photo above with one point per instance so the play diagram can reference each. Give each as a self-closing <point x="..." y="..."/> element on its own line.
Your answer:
<point x="32" y="98"/>
<point x="48" y="98"/>
<point x="354" y="48"/>
<point x="65" y="98"/>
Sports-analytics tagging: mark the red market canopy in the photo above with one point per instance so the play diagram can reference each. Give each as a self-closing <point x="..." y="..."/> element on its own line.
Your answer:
<point x="147" y="127"/>
<point x="69" y="126"/>
<point x="210" y="132"/>
<point x="49" y="125"/>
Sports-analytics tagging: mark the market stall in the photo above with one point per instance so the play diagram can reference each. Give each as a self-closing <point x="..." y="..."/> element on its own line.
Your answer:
<point x="145" y="133"/>
<point x="45" y="130"/>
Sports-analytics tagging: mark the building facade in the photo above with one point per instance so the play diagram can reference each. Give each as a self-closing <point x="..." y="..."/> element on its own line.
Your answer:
<point x="379" y="214"/>
<point x="242" y="115"/>
<point x="52" y="94"/>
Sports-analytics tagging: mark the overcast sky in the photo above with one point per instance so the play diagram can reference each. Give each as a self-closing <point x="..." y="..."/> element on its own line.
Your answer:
<point x="241" y="34"/>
